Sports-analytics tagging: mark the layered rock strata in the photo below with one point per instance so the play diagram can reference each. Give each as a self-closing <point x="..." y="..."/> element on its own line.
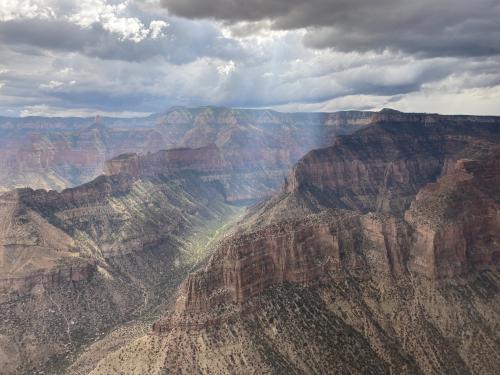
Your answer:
<point x="384" y="245"/>
<point x="77" y="263"/>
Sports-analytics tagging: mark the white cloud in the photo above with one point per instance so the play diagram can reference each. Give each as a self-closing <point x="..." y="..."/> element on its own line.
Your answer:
<point x="156" y="28"/>
<point x="148" y="61"/>
<point x="472" y="101"/>
<point x="50" y="111"/>
<point x="113" y="18"/>
<point x="51" y="85"/>
<point x="227" y="69"/>
<point x="25" y="9"/>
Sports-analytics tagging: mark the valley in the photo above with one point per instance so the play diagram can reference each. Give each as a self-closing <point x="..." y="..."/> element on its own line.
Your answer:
<point x="249" y="187"/>
<point x="381" y="250"/>
<point x="379" y="244"/>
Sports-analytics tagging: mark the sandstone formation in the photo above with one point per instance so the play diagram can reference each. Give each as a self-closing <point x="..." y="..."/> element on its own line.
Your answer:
<point x="381" y="168"/>
<point x="250" y="151"/>
<point x="247" y="151"/>
<point x="456" y="220"/>
<point x="380" y="255"/>
<point x="204" y="159"/>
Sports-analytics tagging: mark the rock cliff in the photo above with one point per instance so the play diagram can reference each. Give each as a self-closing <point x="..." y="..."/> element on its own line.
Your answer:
<point x="61" y="155"/>
<point x="382" y="251"/>
<point x="56" y="153"/>
<point x="456" y="220"/>
<point x="205" y="160"/>
<point x="382" y="167"/>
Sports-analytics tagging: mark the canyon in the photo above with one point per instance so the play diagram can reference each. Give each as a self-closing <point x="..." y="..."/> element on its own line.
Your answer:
<point x="58" y="153"/>
<point x="373" y="234"/>
<point x="381" y="250"/>
<point x="78" y="263"/>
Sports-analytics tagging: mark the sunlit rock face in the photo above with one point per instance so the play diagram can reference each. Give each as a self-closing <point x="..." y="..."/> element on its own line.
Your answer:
<point x="380" y="255"/>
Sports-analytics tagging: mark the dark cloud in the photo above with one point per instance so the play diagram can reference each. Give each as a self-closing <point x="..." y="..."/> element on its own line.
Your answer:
<point x="425" y="27"/>
<point x="186" y="41"/>
<point x="424" y="53"/>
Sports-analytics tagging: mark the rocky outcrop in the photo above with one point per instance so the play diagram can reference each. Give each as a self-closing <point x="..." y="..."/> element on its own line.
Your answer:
<point x="451" y="229"/>
<point x="333" y="256"/>
<point x="367" y="180"/>
<point x="309" y="250"/>
<point x="52" y="279"/>
<point x="98" y="217"/>
<point x="243" y="178"/>
<point x="68" y="154"/>
<point x="252" y="150"/>
<point x="262" y="144"/>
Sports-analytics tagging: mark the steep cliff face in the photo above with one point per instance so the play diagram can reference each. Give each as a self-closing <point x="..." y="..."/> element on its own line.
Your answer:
<point x="252" y="150"/>
<point x="308" y="250"/>
<point x="457" y="220"/>
<point x="382" y="251"/>
<point x="451" y="229"/>
<point x="248" y="151"/>
<point x="382" y="167"/>
<point x="64" y="152"/>
<point x="205" y="160"/>
<point x="241" y="178"/>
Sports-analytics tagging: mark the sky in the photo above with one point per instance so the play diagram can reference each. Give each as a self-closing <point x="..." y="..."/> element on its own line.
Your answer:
<point x="135" y="57"/>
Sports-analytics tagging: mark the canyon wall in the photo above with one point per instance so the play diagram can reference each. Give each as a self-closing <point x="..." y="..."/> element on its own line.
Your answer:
<point x="56" y="153"/>
<point x="397" y="197"/>
<point x="381" y="168"/>
<point x="391" y="233"/>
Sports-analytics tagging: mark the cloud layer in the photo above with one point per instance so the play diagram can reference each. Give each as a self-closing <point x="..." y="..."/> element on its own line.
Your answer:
<point x="124" y="56"/>
<point x="429" y="27"/>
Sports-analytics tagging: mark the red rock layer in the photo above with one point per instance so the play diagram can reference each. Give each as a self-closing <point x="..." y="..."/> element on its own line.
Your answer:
<point x="205" y="159"/>
<point x="382" y="167"/>
<point x="451" y="229"/>
<point x="310" y="250"/>
<point x="456" y="220"/>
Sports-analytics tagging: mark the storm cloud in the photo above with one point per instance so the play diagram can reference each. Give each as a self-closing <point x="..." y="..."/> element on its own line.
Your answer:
<point x="140" y="56"/>
<point x="427" y="27"/>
